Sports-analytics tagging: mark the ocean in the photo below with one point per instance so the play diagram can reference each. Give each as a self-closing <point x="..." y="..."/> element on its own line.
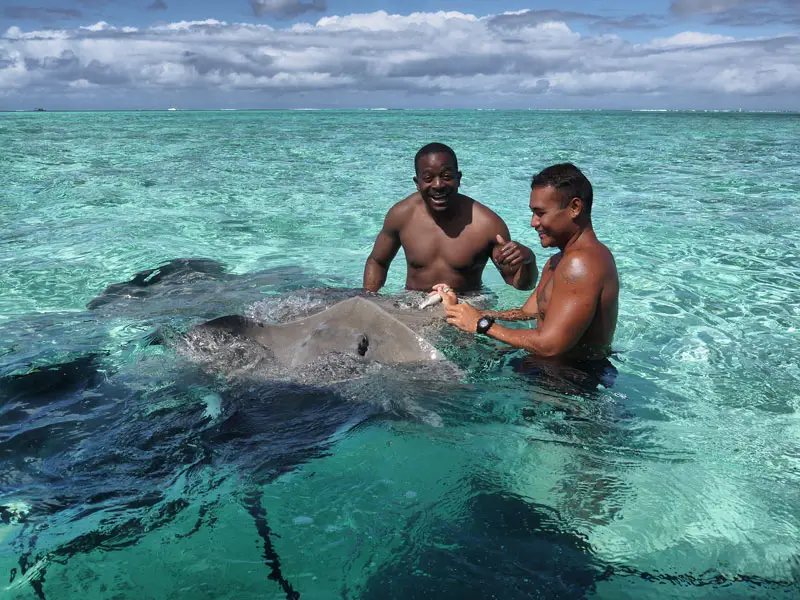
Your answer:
<point x="128" y="472"/>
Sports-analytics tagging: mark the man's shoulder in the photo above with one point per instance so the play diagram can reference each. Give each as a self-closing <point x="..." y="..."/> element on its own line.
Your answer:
<point x="485" y="218"/>
<point x="593" y="261"/>
<point x="409" y="200"/>
<point x="402" y="210"/>
<point x="600" y="253"/>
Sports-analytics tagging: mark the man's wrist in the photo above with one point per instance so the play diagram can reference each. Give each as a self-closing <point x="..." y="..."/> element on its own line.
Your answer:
<point x="484" y="324"/>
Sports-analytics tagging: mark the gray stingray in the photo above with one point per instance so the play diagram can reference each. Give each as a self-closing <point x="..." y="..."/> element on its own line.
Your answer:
<point x="370" y="350"/>
<point x="356" y="326"/>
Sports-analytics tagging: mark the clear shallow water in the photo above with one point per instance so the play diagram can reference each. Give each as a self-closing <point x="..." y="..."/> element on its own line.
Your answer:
<point x="127" y="472"/>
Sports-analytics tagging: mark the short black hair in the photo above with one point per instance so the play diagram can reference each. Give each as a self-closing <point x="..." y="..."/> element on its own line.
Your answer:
<point x="569" y="181"/>
<point x="434" y="148"/>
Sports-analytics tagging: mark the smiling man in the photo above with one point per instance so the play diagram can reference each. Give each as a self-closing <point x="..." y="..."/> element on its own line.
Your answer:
<point x="576" y="300"/>
<point x="447" y="237"/>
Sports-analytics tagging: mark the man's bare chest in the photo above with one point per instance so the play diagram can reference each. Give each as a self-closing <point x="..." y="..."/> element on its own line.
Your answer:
<point x="545" y="290"/>
<point x="425" y="246"/>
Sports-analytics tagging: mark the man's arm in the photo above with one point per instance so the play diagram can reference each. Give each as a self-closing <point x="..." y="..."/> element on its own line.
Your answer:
<point x="510" y="314"/>
<point x="528" y="312"/>
<point x="387" y="244"/>
<point x="516" y="262"/>
<point x="571" y="310"/>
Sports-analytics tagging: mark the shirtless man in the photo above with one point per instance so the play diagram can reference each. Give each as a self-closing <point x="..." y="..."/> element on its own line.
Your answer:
<point x="447" y="237"/>
<point x="575" y="302"/>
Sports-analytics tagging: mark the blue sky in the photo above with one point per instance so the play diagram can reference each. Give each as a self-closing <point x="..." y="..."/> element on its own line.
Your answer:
<point x="119" y="54"/>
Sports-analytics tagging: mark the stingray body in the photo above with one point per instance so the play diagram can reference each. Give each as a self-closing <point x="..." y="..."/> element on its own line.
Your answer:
<point x="357" y="326"/>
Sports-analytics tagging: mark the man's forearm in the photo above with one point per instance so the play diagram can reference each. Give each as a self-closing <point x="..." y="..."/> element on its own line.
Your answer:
<point x="374" y="275"/>
<point x="511" y="314"/>
<point x="531" y="340"/>
<point x="526" y="275"/>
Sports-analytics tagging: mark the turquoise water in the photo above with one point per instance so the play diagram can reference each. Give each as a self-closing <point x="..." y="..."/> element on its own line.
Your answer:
<point x="121" y="477"/>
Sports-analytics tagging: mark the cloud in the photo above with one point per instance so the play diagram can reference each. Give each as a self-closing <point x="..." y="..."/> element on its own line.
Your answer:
<point x="528" y="17"/>
<point x="524" y="18"/>
<point x="691" y="39"/>
<point x="640" y="21"/>
<point x="286" y="9"/>
<point x="699" y="7"/>
<point x="157" y="5"/>
<point x="740" y="13"/>
<point x="35" y="13"/>
<point x="443" y="58"/>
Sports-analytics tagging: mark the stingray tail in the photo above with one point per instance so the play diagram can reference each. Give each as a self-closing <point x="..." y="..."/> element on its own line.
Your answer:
<point x="252" y="502"/>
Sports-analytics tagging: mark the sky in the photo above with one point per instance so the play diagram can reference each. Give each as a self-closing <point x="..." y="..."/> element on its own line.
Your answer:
<point x="419" y="54"/>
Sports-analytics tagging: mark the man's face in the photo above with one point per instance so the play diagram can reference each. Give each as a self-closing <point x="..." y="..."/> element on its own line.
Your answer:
<point x="553" y="224"/>
<point x="437" y="180"/>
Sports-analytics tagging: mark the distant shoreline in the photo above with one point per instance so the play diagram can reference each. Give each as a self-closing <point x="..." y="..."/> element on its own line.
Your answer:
<point x="543" y="110"/>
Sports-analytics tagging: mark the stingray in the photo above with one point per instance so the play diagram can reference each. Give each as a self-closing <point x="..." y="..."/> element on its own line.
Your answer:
<point x="353" y="338"/>
<point x="357" y="326"/>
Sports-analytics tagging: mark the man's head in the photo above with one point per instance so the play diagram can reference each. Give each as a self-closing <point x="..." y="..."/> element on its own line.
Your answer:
<point x="437" y="176"/>
<point x="561" y="202"/>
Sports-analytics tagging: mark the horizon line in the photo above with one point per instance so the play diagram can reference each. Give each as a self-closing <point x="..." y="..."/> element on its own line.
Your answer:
<point x="385" y="109"/>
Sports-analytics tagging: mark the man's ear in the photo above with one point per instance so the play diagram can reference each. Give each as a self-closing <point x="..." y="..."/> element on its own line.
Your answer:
<point x="459" y="178"/>
<point x="575" y="207"/>
<point x="416" y="182"/>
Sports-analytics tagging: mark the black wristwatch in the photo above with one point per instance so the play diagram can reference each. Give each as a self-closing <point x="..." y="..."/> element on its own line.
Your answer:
<point x="484" y="323"/>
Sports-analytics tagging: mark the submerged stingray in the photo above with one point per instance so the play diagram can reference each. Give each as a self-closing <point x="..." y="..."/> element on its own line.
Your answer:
<point x="344" y="342"/>
<point x="367" y="351"/>
<point x="356" y="326"/>
<point x="102" y="454"/>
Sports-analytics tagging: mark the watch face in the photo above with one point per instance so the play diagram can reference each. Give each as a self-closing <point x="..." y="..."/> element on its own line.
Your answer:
<point x="483" y="324"/>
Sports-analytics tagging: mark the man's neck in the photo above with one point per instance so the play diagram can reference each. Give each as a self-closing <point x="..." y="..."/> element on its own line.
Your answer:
<point x="446" y="216"/>
<point x="581" y="234"/>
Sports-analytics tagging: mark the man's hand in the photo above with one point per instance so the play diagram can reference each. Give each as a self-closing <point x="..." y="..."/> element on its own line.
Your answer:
<point x="463" y="316"/>
<point x="446" y="292"/>
<point x="511" y="254"/>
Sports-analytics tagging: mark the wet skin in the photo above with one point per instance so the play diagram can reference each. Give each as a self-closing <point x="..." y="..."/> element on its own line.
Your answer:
<point x="447" y="236"/>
